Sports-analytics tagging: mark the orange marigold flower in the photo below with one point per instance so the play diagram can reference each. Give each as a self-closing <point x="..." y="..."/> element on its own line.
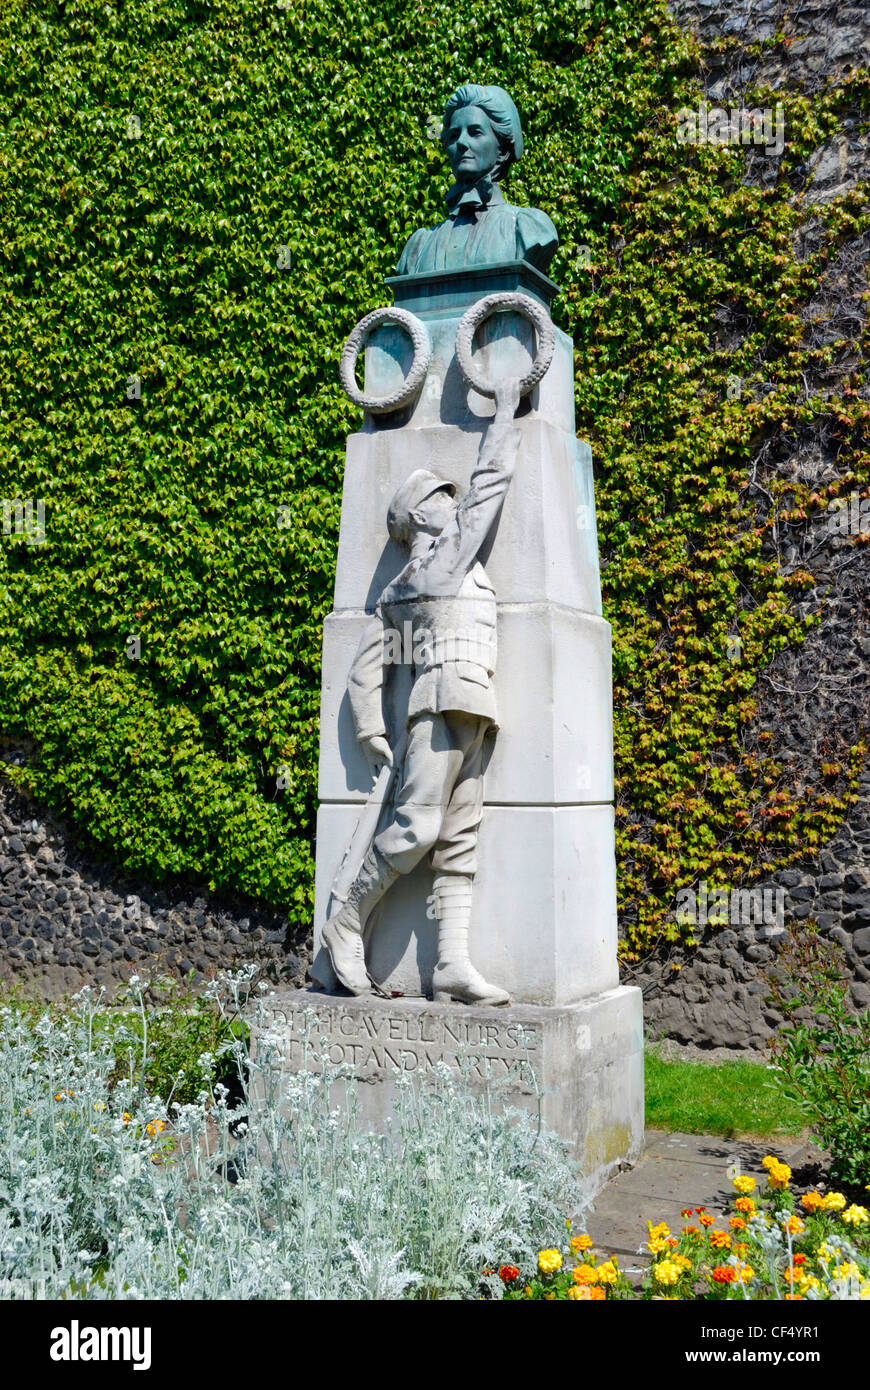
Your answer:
<point x="579" y="1243"/>
<point x="583" y="1274"/>
<point x="745" y="1204"/>
<point x="720" y="1239"/>
<point x="737" y="1223"/>
<point x="811" y="1201"/>
<point x="691" y="1231"/>
<point x="794" y="1298"/>
<point x="799" y="1260"/>
<point x="592" y="1294"/>
<point x="155" y="1126"/>
<point x="507" y="1273"/>
<point x="687" y="1211"/>
<point x="724" y="1274"/>
<point x="706" y="1220"/>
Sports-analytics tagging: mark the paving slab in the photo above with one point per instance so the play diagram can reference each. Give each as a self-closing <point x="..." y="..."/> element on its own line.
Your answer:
<point x="676" y="1171"/>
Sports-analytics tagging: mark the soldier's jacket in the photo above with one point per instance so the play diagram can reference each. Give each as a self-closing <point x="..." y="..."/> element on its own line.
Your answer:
<point x="449" y="602"/>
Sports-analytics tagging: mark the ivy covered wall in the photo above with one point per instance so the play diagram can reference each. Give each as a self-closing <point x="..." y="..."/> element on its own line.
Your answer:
<point x="199" y="200"/>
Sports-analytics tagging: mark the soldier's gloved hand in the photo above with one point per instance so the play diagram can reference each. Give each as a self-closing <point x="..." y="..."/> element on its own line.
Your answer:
<point x="507" y="398"/>
<point x="378" y="754"/>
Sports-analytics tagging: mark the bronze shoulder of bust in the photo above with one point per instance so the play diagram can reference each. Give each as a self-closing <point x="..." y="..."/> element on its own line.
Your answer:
<point x="482" y="137"/>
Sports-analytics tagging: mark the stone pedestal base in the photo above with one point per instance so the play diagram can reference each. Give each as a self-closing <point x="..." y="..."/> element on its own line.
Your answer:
<point x="585" y="1062"/>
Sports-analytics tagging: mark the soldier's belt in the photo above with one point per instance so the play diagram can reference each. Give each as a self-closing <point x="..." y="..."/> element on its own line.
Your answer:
<point x="443" y="651"/>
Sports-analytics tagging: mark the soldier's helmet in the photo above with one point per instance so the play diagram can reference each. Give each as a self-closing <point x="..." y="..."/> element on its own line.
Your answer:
<point x="414" y="490"/>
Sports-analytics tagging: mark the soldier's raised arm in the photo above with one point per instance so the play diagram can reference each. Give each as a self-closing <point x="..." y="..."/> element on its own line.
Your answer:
<point x="455" y="550"/>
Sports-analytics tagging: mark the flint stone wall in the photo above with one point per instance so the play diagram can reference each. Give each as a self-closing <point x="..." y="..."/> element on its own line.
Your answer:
<point x="69" y="918"/>
<point x="814" y="701"/>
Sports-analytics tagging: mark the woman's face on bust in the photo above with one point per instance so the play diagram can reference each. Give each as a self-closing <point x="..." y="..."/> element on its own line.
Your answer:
<point x="471" y="144"/>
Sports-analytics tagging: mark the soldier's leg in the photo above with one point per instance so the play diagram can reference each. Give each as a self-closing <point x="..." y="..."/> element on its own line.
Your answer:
<point x="433" y="762"/>
<point x="430" y="768"/>
<point x="454" y="860"/>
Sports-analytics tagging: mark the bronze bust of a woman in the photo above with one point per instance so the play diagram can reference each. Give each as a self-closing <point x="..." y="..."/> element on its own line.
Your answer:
<point x="482" y="137"/>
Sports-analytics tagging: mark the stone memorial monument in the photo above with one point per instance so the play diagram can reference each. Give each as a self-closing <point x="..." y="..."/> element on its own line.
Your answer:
<point x="466" y="894"/>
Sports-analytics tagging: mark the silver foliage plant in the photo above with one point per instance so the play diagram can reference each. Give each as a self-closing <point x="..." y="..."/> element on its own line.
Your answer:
<point x="107" y="1193"/>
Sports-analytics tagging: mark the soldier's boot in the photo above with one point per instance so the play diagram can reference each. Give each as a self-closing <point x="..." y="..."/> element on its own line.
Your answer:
<point x="454" y="976"/>
<point x="343" y="934"/>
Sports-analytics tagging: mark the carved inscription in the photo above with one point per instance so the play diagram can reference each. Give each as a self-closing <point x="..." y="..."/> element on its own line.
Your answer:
<point x="374" y="1043"/>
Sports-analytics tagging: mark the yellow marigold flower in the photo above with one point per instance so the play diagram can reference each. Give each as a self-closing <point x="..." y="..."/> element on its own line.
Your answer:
<point x="583" y="1274"/>
<point x="126" y="1118"/>
<point x="607" y="1273"/>
<point x="865" y="1289"/>
<point x="740" y="1247"/>
<point x="682" y="1261"/>
<point x="549" y="1261"/>
<point x="579" y="1243"/>
<point x="158" y="1126"/>
<point x="779" y="1175"/>
<point x="659" y="1232"/>
<point x="811" y="1201"/>
<point x="746" y="1273"/>
<point x="656" y="1247"/>
<point x="855" y="1216"/>
<point x="666" y="1272"/>
<point x="737" y="1223"/>
<point x="746" y="1205"/>
<point x="795" y="1225"/>
<point x="834" y="1201"/>
<point x="720" y="1239"/>
<point x="769" y="1161"/>
<point x="827" y="1252"/>
<point x="847" y="1270"/>
<point x="744" y="1185"/>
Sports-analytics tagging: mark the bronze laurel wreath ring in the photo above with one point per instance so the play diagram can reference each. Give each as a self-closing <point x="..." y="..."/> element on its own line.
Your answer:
<point x="496" y="303"/>
<point x="417" y="332"/>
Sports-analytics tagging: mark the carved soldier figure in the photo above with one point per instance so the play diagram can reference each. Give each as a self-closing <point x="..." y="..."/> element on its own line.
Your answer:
<point x="444" y="593"/>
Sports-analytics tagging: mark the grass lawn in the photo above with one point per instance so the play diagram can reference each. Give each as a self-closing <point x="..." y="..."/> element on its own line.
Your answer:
<point x="730" y="1098"/>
